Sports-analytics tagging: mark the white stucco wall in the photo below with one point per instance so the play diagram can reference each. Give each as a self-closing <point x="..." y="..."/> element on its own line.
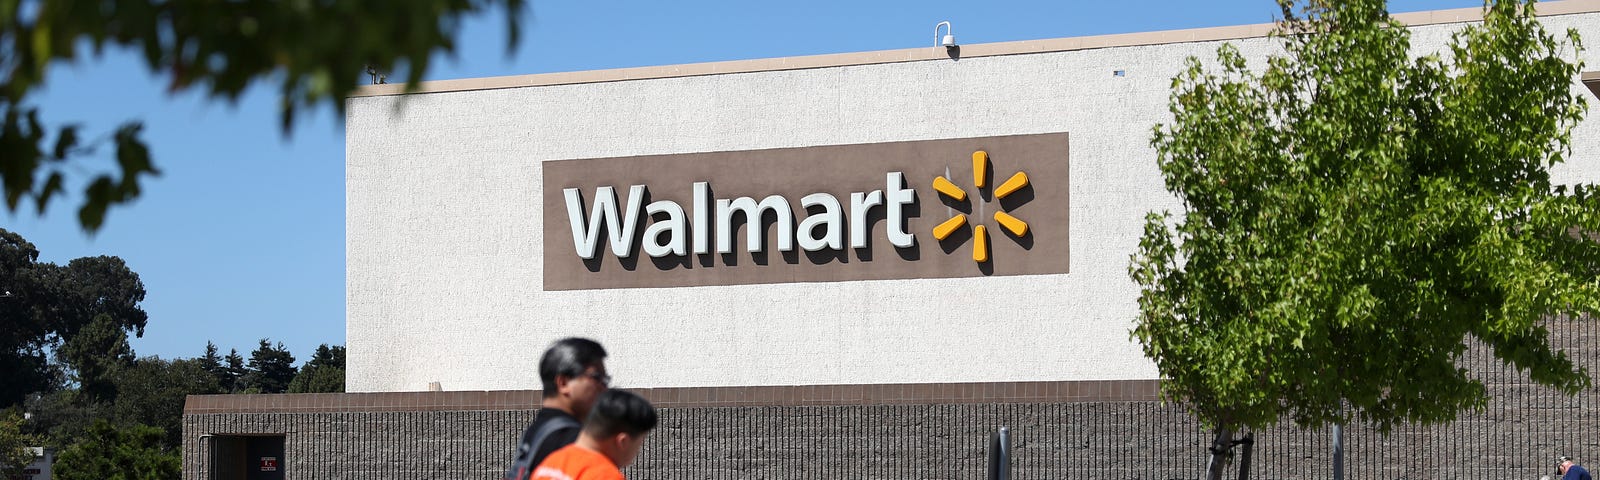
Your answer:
<point x="444" y="225"/>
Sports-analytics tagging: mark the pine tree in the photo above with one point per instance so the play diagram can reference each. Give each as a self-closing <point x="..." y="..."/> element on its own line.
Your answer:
<point x="324" y="373"/>
<point x="212" y="363"/>
<point x="271" y="369"/>
<point x="235" y="372"/>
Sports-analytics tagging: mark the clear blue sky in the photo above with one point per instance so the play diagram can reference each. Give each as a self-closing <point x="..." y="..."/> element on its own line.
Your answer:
<point x="242" y="237"/>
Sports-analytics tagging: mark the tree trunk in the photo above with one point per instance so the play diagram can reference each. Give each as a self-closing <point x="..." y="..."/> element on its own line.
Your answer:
<point x="1221" y="446"/>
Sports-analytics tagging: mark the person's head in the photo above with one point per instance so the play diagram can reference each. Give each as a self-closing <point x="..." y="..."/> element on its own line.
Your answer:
<point x="1562" y="464"/>
<point x="618" y="424"/>
<point x="573" y="373"/>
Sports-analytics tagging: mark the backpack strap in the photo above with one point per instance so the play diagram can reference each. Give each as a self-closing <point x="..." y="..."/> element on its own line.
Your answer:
<point x="529" y="445"/>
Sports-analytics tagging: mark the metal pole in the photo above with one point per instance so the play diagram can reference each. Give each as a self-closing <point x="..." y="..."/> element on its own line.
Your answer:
<point x="1000" y="455"/>
<point x="1338" y="452"/>
<point x="1249" y="442"/>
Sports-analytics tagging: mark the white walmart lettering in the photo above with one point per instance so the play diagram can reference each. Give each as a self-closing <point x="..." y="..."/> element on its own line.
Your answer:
<point x="672" y="236"/>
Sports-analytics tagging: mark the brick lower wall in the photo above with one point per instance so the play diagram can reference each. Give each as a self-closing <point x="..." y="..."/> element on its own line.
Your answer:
<point x="1100" y="430"/>
<point x="1102" y="440"/>
<point x="412" y="445"/>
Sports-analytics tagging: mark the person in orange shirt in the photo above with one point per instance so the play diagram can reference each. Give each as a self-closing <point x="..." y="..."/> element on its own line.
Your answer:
<point x="611" y="438"/>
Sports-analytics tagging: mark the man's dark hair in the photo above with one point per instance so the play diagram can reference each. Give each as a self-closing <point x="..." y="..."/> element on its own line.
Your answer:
<point x="619" y="411"/>
<point x="570" y="357"/>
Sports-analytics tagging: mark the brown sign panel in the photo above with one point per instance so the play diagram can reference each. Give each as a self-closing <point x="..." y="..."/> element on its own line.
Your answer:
<point x="1040" y="201"/>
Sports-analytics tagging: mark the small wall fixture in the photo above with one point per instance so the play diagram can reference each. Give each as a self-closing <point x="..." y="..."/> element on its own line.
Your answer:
<point x="949" y="38"/>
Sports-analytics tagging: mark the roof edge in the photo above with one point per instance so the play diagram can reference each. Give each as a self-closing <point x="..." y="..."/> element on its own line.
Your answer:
<point x="1236" y="32"/>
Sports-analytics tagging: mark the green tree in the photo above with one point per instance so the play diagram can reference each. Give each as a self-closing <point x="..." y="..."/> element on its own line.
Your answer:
<point x="212" y="363"/>
<point x="271" y="369"/>
<point x="15" y="445"/>
<point x="152" y="391"/>
<point x="236" y="372"/>
<point x="323" y="373"/>
<point x="24" y="334"/>
<point x="217" y="49"/>
<point x="43" y="309"/>
<point x="63" y="417"/>
<point x="132" y="452"/>
<point x="94" y="286"/>
<point x="97" y="355"/>
<point x="1353" y="218"/>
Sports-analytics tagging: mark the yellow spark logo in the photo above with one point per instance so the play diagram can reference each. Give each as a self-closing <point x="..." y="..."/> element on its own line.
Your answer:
<point x="980" y="235"/>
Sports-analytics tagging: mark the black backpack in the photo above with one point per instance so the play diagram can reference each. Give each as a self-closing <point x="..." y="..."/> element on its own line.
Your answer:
<point x="532" y="438"/>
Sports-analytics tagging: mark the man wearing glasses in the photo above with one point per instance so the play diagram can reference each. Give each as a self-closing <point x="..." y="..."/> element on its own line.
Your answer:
<point x="573" y="375"/>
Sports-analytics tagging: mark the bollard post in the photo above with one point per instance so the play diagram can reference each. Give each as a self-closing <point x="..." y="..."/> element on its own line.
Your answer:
<point x="1248" y="442"/>
<point x="1338" y="452"/>
<point x="1000" y="455"/>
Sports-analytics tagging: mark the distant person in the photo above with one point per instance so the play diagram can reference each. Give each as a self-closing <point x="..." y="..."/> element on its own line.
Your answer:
<point x="1570" y="470"/>
<point x="573" y="375"/>
<point x="611" y="439"/>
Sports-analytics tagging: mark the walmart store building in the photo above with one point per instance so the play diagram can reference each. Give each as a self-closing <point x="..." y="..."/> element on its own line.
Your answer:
<point x="856" y="266"/>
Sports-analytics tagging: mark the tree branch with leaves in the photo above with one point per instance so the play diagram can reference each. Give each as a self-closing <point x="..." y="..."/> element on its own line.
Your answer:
<point x="316" y="52"/>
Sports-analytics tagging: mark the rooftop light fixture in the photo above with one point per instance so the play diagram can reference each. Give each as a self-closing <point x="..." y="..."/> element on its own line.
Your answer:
<point x="949" y="38"/>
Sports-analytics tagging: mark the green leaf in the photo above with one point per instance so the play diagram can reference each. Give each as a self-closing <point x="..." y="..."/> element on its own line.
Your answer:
<point x="65" y="141"/>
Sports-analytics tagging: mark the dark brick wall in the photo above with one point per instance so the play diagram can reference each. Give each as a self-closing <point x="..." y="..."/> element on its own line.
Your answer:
<point x="1083" y="440"/>
<point x="1099" y="430"/>
<point x="1102" y="440"/>
<point x="411" y="445"/>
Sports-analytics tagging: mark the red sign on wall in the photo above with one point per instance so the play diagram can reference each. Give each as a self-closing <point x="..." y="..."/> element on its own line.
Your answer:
<point x="269" y="464"/>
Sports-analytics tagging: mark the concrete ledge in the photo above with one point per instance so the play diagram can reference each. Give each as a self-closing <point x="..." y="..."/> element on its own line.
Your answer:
<point x="908" y="394"/>
<point x="361" y="402"/>
<point x="1435" y="17"/>
<point x="800" y="395"/>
